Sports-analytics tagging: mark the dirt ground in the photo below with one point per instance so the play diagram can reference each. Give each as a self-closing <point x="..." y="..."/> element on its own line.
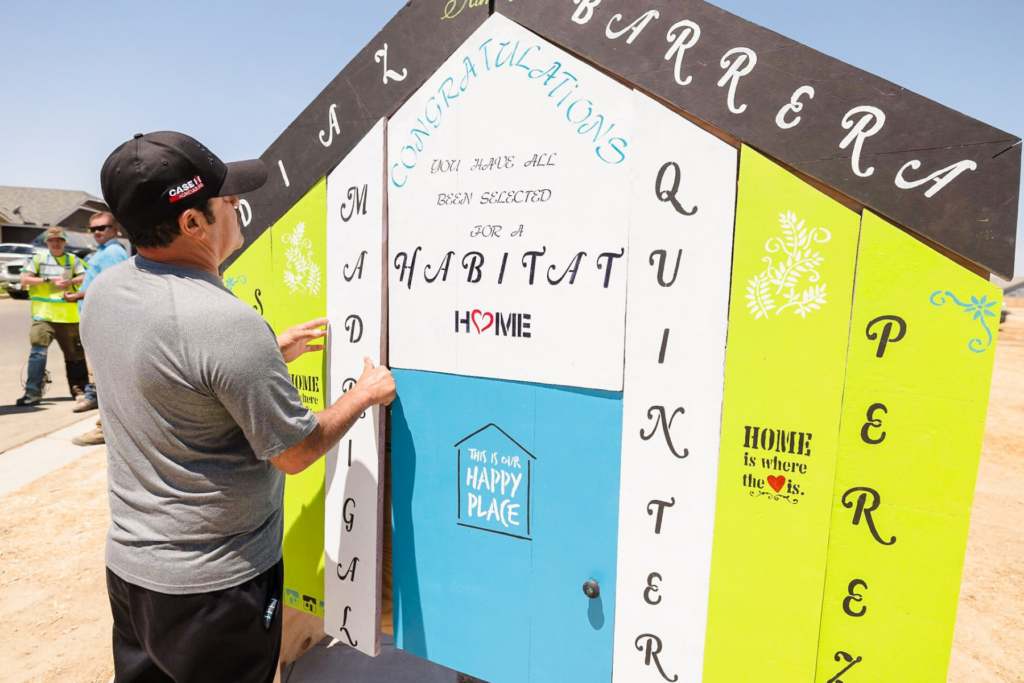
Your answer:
<point x="55" y="622"/>
<point x="989" y="641"/>
<point x="54" y="617"/>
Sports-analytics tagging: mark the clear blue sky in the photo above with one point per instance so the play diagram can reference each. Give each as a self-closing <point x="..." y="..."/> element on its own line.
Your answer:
<point x="78" y="78"/>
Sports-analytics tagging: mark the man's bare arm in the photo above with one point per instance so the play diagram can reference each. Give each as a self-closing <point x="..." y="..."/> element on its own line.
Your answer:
<point x="376" y="386"/>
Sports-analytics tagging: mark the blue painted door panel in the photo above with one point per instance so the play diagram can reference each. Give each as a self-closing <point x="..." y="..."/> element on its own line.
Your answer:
<point x="505" y="501"/>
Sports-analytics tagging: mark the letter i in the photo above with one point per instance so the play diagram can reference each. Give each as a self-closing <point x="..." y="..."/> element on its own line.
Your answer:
<point x="501" y="275"/>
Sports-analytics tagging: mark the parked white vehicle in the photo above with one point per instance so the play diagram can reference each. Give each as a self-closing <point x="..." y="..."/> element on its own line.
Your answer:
<point x="12" y="258"/>
<point x="17" y="252"/>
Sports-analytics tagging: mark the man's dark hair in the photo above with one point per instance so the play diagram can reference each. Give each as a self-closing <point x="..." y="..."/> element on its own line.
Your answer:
<point x="163" y="234"/>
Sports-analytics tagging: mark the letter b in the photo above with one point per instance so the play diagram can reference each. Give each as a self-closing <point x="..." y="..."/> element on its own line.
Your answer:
<point x="585" y="10"/>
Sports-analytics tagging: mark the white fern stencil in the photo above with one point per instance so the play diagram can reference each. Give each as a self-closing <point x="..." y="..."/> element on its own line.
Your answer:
<point x="301" y="273"/>
<point x="797" y="259"/>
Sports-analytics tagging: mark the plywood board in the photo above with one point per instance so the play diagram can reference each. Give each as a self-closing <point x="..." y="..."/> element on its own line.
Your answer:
<point x="920" y="364"/>
<point x="502" y="262"/>
<point x="300" y="295"/>
<point x="789" y="321"/>
<point x="680" y="252"/>
<point x="300" y="631"/>
<point x="504" y="506"/>
<point x="948" y="176"/>
<point x="355" y="468"/>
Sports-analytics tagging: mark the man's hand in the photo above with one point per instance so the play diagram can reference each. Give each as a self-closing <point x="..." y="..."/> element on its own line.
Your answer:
<point x="294" y="342"/>
<point x="62" y="284"/>
<point x="72" y="297"/>
<point x="376" y="384"/>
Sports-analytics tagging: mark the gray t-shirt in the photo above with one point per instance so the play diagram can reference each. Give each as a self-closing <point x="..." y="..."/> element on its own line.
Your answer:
<point x="195" y="398"/>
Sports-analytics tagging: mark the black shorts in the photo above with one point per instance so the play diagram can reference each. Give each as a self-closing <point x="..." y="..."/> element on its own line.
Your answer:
<point x="216" y="637"/>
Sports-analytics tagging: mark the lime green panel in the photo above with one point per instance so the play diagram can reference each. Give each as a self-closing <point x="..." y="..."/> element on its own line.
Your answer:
<point x="299" y="295"/>
<point x="300" y="282"/>
<point x="933" y="297"/>
<point x="250" y="277"/>
<point x="304" y="540"/>
<point x="913" y="419"/>
<point x="792" y="290"/>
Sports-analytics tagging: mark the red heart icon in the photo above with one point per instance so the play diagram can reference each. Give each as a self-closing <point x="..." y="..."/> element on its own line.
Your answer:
<point x="777" y="482"/>
<point x="490" y="321"/>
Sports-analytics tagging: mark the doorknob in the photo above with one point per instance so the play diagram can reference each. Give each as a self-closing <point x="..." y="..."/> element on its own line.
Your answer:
<point x="592" y="589"/>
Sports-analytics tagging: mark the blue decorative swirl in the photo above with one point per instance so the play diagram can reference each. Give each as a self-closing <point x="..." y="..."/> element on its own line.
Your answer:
<point x="233" y="282"/>
<point x="980" y="309"/>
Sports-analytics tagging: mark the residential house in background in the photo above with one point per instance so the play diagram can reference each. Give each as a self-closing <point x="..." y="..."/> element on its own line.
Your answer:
<point x="1013" y="291"/>
<point x="25" y="212"/>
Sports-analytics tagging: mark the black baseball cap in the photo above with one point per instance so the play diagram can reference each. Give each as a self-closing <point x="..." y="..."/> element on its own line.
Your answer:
<point x="154" y="178"/>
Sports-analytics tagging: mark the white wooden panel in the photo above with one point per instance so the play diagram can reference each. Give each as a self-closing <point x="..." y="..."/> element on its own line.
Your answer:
<point x="516" y="133"/>
<point x="675" y="367"/>
<point x="354" y="507"/>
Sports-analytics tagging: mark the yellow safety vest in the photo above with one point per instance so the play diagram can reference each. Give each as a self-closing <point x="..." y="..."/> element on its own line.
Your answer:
<point x="48" y="300"/>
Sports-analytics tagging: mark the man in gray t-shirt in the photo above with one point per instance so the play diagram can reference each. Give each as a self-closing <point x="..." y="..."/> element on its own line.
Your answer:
<point x="198" y="401"/>
<point x="202" y="423"/>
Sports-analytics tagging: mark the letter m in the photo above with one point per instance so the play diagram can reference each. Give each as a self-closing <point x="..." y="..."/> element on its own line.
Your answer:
<point x="360" y="197"/>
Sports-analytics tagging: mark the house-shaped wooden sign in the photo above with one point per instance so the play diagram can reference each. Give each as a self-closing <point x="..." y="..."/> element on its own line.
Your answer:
<point x="692" y="335"/>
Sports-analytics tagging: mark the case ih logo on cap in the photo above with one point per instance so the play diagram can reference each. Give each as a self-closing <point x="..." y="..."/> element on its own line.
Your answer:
<point x="186" y="189"/>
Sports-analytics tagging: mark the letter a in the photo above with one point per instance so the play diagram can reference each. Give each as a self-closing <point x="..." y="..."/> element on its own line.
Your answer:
<point x="635" y="28"/>
<point x="351" y="571"/>
<point x="941" y="178"/>
<point x="333" y="127"/>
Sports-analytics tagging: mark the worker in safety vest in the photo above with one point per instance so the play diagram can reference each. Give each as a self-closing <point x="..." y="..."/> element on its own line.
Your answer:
<point x="47" y="277"/>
